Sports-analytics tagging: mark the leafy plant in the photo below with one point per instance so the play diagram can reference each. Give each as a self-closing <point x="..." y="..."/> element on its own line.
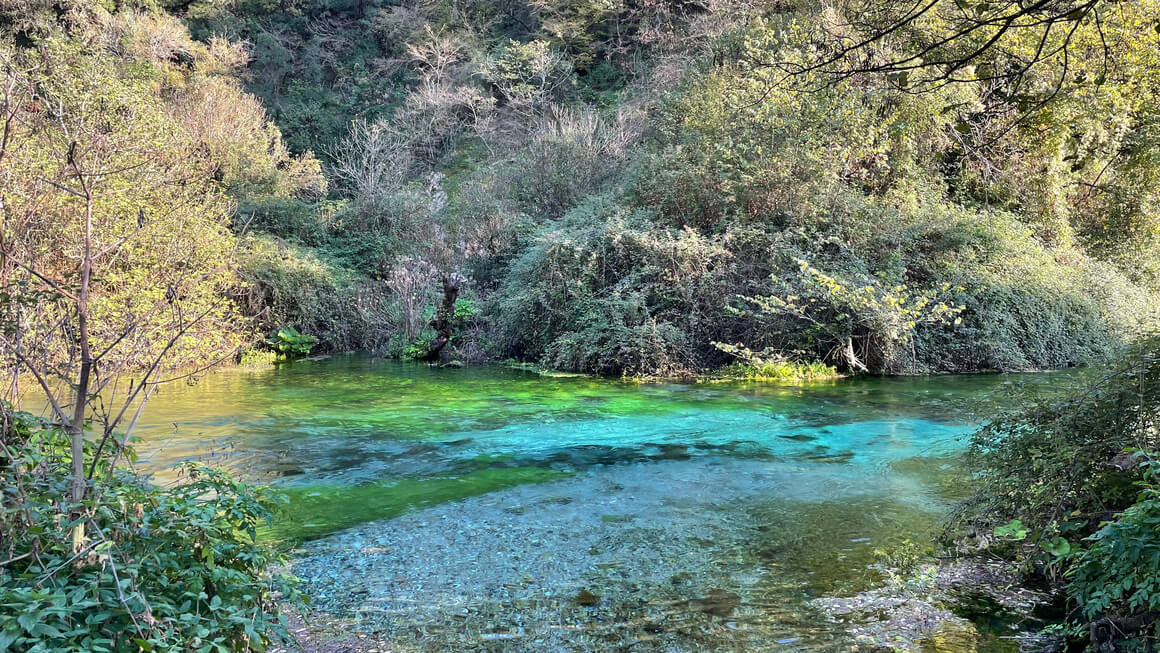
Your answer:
<point x="770" y="366"/>
<point x="1119" y="572"/>
<point x="1077" y="477"/>
<point x="1057" y="547"/>
<point x="863" y="321"/>
<point x="165" y="569"/>
<point x="290" y="344"/>
<point x="1013" y="530"/>
<point x="465" y="310"/>
<point x="417" y="348"/>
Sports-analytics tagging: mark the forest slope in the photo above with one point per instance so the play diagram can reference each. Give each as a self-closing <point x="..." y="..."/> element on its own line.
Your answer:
<point x="633" y="188"/>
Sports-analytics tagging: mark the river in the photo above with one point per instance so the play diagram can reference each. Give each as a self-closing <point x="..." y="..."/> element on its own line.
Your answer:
<point x="534" y="512"/>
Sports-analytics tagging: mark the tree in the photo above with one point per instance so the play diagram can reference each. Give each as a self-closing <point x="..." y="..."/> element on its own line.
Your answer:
<point x="115" y="253"/>
<point x="1049" y="104"/>
<point x="864" y="325"/>
<point x="933" y="42"/>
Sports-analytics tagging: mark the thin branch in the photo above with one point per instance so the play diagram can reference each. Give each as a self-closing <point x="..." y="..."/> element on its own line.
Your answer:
<point x="56" y="408"/>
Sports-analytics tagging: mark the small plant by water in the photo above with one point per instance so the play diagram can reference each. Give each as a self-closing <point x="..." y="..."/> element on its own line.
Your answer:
<point x="790" y="372"/>
<point x="290" y="344"/>
<point x="164" y="569"/>
<point x="771" y="367"/>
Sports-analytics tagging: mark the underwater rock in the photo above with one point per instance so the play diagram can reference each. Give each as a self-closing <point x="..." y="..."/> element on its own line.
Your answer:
<point x="718" y="603"/>
<point x="584" y="597"/>
<point x="672" y="452"/>
<point x="799" y="438"/>
<point x="922" y="610"/>
<point x="836" y="458"/>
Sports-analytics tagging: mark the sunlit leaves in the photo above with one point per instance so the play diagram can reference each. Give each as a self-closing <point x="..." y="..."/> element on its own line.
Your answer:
<point x="103" y="156"/>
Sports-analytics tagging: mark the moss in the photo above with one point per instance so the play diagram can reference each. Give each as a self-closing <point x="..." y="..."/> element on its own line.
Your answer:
<point x="788" y="372"/>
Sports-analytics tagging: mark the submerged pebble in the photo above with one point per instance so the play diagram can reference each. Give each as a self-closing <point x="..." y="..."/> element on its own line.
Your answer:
<point x="684" y="573"/>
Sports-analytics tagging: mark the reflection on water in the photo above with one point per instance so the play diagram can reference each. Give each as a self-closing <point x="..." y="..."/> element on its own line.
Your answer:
<point x="353" y="419"/>
<point x="821" y="475"/>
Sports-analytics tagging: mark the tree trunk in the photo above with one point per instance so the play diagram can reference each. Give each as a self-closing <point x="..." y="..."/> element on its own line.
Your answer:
<point x="443" y="318"/>
<point x="852" y="360"/>
<point x="77" y="427"/>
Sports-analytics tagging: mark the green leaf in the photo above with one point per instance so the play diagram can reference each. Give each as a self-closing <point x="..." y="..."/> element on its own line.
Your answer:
<point x="1013" y="530"/>
<point x="28" y="620"/>
<point x="1057" y="547"/>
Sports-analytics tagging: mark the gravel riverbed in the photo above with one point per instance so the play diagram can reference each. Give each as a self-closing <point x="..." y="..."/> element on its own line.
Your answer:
<point x="662" y="556"/>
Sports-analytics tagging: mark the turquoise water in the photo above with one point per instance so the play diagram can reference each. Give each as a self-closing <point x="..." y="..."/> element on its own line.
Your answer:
<point x="353" y="420"/>
<point x="389" y="434"/>
<point x="823" y="476"/>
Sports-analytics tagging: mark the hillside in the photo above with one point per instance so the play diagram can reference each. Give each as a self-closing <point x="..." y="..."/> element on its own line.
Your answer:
<point x="640" y="188"/>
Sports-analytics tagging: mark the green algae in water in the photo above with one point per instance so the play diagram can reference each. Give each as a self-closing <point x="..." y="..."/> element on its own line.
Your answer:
<point x="360" y="426"/>
<point x="318" y="510"/>
<point x="354" y="439"/>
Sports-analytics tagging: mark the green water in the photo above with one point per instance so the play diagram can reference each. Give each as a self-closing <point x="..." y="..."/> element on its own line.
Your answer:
<point x="859" y="465"/>
<point x="353" y="439"/>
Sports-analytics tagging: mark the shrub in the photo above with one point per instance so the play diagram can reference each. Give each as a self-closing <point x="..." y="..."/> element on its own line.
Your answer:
<point x="1058" y="456"/>
<point x="770" y="367"/>
<point x="166" y="569"/>
<point x="617" y="336"/>
<point x="1119" y="573"/>
<point x="528" y="76"/>
<point x="602" y="286"/>
<point x="290" y="344"/>
<point x="1076" y="484"/>
<point x="862" y="319"/>
<point x="289" y="286"/>
<point x="306" y="223"/>
<point x="571" y="154"/>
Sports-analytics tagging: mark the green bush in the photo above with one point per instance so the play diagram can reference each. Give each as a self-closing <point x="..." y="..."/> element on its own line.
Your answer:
<point x="1056" y="457"/>
<point x="1068" y="488"/>
<point x="290" y="344"/>
<point x="1119" y="573"/>
<point x="295" y="287"/>
<point x="302" y="222"/>
<point x="789" y="372"/>
<point x="604" y="292"/>
<point x="618" y="337"/>
<point x="770" y="367"/>
<point x="164" y="569"/>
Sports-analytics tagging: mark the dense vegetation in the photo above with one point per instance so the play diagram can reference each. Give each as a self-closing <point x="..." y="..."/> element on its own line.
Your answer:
<point x="616" y="182"/>
<point x="616" y="185"/>
<point x="1069" y="491"/>
<point x="122" y="144"/>
<point x="622" y="188"/>
<point x="165" y="570"/>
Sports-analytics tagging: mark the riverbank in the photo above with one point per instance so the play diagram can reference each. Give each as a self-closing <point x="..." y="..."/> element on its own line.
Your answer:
<point x="673" y="556"/>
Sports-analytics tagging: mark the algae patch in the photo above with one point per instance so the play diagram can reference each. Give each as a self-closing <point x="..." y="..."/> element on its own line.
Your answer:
<point x="318" y="510"/>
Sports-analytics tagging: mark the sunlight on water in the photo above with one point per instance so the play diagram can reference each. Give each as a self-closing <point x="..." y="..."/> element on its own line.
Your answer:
<point x="821" y="476"/>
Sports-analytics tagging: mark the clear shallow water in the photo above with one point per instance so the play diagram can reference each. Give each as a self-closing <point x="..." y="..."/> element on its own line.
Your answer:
<point x="797" y="486"/>
<point x="354" y="438"/>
